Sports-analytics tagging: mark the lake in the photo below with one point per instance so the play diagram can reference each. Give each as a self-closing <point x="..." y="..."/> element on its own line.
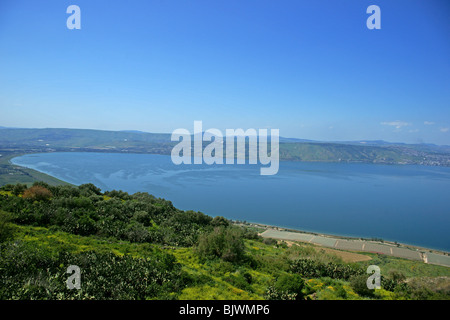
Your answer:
<point x="409" y="204"/>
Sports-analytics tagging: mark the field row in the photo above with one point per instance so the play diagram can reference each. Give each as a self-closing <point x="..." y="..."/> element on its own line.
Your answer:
<point x="360" y="246"/>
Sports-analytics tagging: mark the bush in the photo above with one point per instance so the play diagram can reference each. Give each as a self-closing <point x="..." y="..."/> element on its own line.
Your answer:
<point x="6" y="229"/>
<point x="19" y="189"/>
<point x="89" y="189"/>
<point x="136" y="232"/>
<point x="270" y="241"/>
<point x="359" y="285"/>
<point x="241" y="280"/>
<point x="220" y="222"/>
<point x="287" y="287"/>
<point x="224" y="243"/>
<point x="37" y="193"/>
<point x="7" y="187"/>
<point x="315" y="269"/>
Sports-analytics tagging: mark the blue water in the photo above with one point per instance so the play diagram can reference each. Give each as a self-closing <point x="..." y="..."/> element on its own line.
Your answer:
<point x="408" y="204"/>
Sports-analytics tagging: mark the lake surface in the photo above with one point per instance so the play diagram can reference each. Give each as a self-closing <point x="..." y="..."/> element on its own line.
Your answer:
<point x="408" y="204"/>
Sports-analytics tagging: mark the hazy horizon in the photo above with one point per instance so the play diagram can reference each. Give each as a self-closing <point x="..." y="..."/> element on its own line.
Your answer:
<point x="283" y="137"/>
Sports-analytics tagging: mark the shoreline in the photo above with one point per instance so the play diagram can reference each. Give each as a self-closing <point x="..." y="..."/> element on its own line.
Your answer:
<point x="22" y="174"/>
<point x="336" y="161"/>
<point x="281" y="228"/>
<point x="354" y="244"/>
<point x="342" y="237"/>
<point x="56" y="179"/>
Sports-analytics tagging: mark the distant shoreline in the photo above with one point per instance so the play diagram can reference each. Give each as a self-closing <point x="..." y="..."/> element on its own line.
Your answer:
<point x="24" y="175"/>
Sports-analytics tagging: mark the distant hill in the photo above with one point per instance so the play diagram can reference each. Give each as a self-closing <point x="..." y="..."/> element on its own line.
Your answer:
<point x="73" y="139"/>
<point x="58" y="139"/>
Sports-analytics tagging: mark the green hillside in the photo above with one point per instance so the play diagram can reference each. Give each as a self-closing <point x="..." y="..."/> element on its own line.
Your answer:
<point x="141" y="247"/>
<point x="345" y="153"/>
<point x="84" y="140"/>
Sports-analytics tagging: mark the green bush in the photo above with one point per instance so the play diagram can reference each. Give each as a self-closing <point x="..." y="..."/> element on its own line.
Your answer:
<point x="359" y="285"/>
<point x="224" y="243"/>
<point x="19" y="189"/>
<point x="241" y="280"/>
<point x="270" y="241"/>
<point x="6" y="229"/>
<point x="220" y="222"/>
<point x="315" y="269"/>
<point x="286" y="287"/>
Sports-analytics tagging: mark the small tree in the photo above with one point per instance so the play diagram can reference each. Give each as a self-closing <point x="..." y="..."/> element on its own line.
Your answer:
<point x="220" y="221"/>
<point x="224" y="243"/>
<point x="89" y="189"/>
<point x="19" y="189"/>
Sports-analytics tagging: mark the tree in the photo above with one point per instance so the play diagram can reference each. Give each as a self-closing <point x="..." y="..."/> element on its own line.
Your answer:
<point x="19" y="189"/>
<point x="89" y="189"/>
<point x="220" y="221"/>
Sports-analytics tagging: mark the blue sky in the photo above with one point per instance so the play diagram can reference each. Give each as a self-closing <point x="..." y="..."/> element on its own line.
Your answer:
<point x="309" y="68"/>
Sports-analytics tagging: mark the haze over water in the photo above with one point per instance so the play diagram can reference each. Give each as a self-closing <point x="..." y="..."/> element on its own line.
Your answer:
<point x="408" y="204"/>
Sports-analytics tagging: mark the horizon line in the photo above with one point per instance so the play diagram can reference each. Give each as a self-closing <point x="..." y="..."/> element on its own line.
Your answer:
<point x="361" y="141"/>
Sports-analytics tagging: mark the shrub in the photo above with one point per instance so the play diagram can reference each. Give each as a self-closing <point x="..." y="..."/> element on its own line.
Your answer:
<point x="270" y="241"/>
<point x="241" y="280"/>
<point x="19" y="189"/>
<point x="224" y="243"/>
<point x="89" y="189"/>
<point x="7" y="187"/>
<point x="37" y="193"/>
<point x="136" y="232"/>
<point x="315" y="269"/>
<point x="359" y="285"/>
<point x="220" y="221"/>
<point x="286" y="287"/>
<point x="6" y="229"/>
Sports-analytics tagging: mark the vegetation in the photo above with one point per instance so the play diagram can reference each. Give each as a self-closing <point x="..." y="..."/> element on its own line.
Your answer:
<point x="42" y="274"/>
<point x="141" y="247"/>
<point x="222" y="242"/>
<point x="287" y="287"/>
<point x="315" y="269"/>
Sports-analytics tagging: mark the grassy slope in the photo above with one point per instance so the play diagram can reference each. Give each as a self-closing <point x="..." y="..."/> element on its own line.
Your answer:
<point x="341" y="152"/>
<point x="218" y="279"/>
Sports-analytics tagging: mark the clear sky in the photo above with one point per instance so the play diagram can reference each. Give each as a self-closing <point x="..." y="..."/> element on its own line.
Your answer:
<point x="309" y="68"/>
